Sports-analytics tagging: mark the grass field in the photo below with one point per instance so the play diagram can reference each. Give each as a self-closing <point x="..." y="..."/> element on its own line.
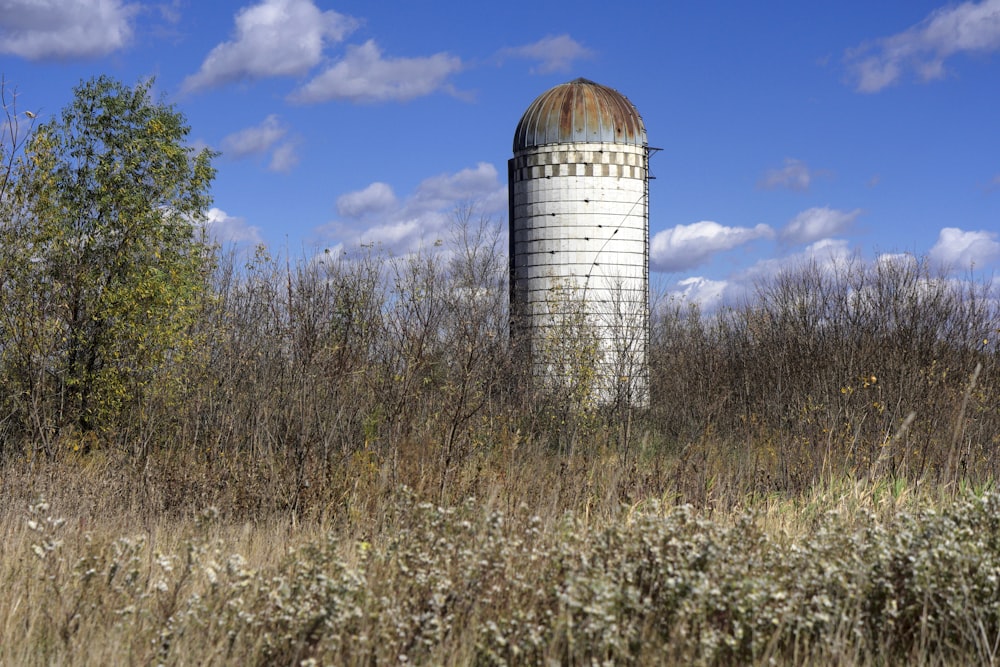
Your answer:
<point x="528" y="571"/>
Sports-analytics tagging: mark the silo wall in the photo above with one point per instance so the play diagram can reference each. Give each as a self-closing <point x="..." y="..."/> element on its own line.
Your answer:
<point x="579" y="246"/>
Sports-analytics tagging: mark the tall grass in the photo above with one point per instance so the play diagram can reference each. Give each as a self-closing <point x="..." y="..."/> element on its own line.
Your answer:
<point x="853" y="574"/>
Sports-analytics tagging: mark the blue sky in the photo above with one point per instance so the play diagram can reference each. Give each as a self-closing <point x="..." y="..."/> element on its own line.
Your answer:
<point x="789" y="129"/>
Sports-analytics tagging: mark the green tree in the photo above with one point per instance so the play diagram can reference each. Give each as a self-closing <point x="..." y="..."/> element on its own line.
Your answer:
<point x="104" y="239"/>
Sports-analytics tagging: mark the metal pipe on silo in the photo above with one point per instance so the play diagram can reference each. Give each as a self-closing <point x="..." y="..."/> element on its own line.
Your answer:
<point x="579" y="241"/>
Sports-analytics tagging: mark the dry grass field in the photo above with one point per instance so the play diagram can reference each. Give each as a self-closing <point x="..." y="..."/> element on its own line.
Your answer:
<point x="103" y="572"/>
<point x="350" y="469"/>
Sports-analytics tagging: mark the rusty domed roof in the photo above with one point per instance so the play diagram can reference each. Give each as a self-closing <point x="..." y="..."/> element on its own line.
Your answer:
<point x="579" y="111"/>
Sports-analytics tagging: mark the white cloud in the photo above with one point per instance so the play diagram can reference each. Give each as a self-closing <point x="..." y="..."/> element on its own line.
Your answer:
<point x="273" y="38"/>
<point x="374" y="215"/>
<point x="554" y="53"/>
<point x="890" y="260"/>
<point x="401" y="236"/>
<point x="62" y="29"/>
<point x="363" y="75"/>
<point x="170" y="12"/>
<point x="818" y="223"/>
<point x="284" y="158"/>
<point x="828" y="255"/>
<point x="961" y="250"/>
<point x="972" y="27"/>
<point x="226" y="229"/>
<point x="708" y="294"/>
<point x="825" y="254"/>
<point x="377" y="198"/>
<point x="477" y="183"/>
<point x="254" y="140"/>
<point x="686" y="246"/>
<point x="795" y="175"/>
<point x="259" y="140"/>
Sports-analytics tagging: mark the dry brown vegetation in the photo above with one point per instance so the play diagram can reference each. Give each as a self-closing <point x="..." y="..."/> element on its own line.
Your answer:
<point x="354" y="470"/>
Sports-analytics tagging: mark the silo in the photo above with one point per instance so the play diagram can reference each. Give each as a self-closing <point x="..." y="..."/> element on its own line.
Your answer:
<point x="579" y="242"/>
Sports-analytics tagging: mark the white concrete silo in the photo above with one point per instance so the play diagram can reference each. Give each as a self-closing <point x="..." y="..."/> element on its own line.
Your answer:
<point x="579" y="241"/>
